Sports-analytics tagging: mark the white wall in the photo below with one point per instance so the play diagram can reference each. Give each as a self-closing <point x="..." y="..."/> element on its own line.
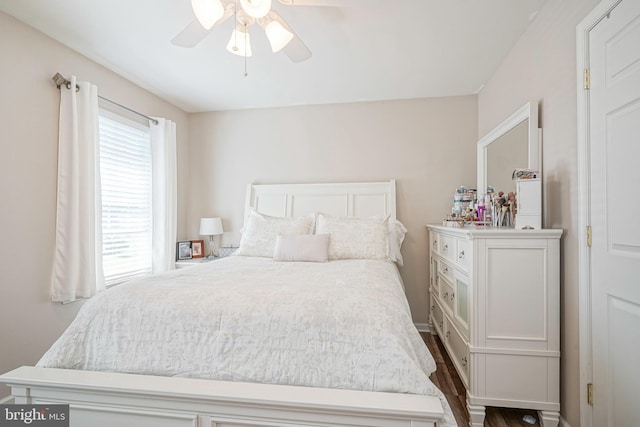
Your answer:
<point x="29" y="105"/>
<point x="427" y="145"/>
<point x="542" y="67"/>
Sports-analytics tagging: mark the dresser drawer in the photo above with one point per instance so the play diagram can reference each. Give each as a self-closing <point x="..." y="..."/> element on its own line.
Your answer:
<point x="458" y="350"/>
<point x="446" y="294"/>
<point x="433" y="241"/>
<point x="447" y="247"/>
<point x="446" y="270"/>
<point x="433" y="275"/>
<point x="437" y="315"/>
<point x="463" y="254"/>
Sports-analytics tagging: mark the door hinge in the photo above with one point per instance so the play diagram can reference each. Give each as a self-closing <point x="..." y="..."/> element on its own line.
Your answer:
<point x="589" y="236"/>
<point x="587" y="79"/>
<point x="590" y="394"/>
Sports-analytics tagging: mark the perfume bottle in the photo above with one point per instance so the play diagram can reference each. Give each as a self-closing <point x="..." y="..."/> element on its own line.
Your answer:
<point x="481" y="209"/>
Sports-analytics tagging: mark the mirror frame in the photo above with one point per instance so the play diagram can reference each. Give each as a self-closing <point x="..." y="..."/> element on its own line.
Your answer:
<point x="527" y="111"/>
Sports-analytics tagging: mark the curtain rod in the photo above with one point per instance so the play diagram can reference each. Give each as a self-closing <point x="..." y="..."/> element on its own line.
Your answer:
<point x="59" y="80"/>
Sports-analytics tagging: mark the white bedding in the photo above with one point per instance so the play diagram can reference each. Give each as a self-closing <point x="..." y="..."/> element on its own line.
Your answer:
<point x="342" y="324"/>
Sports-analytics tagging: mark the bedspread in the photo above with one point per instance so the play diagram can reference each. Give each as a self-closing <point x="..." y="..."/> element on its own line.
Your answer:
<point x="342" y="324"/>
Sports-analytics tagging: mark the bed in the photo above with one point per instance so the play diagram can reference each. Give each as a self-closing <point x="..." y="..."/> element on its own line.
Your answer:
<point x="250" y="341"/>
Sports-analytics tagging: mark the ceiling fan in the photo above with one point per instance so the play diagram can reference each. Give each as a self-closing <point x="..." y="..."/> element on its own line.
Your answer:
<point x="210" y="13"/>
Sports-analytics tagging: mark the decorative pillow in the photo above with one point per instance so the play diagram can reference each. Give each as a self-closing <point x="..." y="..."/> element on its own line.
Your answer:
<point x="359" y="238"/>
<point x="396" y="236"/>
<point x="260" y="232"/>
<point x="304" y="247"/>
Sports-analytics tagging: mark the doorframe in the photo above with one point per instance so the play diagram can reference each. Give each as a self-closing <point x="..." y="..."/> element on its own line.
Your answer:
<point x="583" y="31"/>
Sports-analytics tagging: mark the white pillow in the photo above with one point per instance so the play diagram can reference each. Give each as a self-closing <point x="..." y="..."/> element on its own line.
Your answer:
<point x="358" y="238"/>
<point x="304" y="247"/>
<point x="260" y="232"/>
<point x="396" y="236"/>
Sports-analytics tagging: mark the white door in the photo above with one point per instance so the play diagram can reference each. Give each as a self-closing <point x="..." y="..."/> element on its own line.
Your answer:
<point x="614" y="48"/>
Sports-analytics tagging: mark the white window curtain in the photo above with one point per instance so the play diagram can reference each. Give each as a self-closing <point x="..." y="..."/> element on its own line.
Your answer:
<point x="164" y="167"/>
<point x="77" y="267"/>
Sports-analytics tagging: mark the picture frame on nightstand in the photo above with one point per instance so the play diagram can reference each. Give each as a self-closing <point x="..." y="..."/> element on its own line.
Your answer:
<point x="183" y="250"/>
<point x="197" y="248"/>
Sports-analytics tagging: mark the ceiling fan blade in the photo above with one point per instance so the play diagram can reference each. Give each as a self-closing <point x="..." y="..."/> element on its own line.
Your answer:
<point x="194" y="32"/>
<point x="191" y="35"/>
<point x="296" y="50"/>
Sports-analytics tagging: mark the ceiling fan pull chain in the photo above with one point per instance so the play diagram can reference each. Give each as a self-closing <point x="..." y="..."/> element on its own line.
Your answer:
<point x="235" y="25"/>
<point x="245" y="49"/>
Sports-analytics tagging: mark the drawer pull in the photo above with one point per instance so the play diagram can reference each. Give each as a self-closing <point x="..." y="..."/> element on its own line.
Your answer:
<point x="446" y="295"/>
<point x="464" y="361"/>
<point x="434" y="244"/>
<point x="445" y="248"/>
<point x="448" y="333"/>
<point x="461" y="255"/>
<point x="446" y="270"/>
<point x="452" y="296"/>
<point x="433" y="307"/>
<point x="441" y="324"/>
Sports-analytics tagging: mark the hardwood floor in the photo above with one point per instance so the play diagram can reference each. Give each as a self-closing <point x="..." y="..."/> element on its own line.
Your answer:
<point x="446" y="379"/>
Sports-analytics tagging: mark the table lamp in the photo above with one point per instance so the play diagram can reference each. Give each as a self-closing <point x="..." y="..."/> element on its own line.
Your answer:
<point x="211" y="227"/>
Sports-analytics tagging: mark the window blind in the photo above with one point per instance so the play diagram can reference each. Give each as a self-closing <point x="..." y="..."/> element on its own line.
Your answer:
<point x="125" y="173"/>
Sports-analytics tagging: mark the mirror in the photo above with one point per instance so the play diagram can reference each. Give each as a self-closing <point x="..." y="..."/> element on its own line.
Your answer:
<point x="515" y="143"/>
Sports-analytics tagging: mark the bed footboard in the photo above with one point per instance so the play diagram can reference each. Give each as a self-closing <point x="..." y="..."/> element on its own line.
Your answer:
<point x="126" y="400"/>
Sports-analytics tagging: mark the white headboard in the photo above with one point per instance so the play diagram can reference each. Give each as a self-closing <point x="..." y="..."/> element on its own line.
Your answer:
<point x="359" y="199"/>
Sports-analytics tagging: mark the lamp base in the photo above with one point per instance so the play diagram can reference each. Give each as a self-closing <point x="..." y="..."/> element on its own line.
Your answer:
<point x="211" y="247"/>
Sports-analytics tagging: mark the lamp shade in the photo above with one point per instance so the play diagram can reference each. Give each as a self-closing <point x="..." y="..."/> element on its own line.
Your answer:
<point x="240" y="43"/>
<point x="278" y="36"/>
<point x="211" y="226"/>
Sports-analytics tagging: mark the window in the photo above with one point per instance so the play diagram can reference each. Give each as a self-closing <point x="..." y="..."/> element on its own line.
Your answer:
<point x="125" y="173"/>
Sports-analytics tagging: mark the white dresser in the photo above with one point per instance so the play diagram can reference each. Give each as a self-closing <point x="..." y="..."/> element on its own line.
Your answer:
<point x="495" y="303"/>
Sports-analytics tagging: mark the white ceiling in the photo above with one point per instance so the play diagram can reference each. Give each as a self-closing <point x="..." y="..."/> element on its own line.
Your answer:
<point x="368" y="50"/>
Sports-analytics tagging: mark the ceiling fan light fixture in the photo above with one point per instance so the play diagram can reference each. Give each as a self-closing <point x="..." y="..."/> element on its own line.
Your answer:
<point x="208" y="12"/>
<point x="256" y="8"/>
<point x="278" y="35"/>
<point x="240" y="43"/>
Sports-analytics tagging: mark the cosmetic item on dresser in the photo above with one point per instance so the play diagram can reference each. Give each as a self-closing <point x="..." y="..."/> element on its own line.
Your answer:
<point x="464" y="206"/>
<point x="463" y="200"/>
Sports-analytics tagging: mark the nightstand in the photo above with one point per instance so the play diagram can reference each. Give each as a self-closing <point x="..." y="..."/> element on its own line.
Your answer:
<point x="185" y="263"/>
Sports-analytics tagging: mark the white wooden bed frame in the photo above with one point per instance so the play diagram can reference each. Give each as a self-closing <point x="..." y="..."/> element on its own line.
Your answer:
<point x="106" y="399"/>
